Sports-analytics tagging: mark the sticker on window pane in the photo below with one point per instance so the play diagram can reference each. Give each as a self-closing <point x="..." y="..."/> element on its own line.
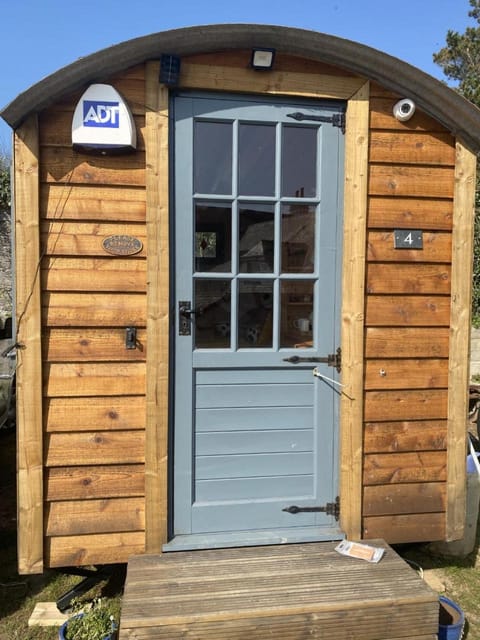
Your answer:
<point x="213" y="237"/>
<point x="255" y="313"/>
<point x="205" y="244"/>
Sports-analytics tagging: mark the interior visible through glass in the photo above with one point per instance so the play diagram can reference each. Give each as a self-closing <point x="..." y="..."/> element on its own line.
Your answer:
<point x="296" y="304"/>
<point x="256" y="238"/>
<point x="256" y="159"/>
<point x="298" y="238"/>
<point x="212" y="317"/>
<point x="255" y="231"/>
<point x="212" y="157"/>
<point x="299" y="161"/>
<point x="255" y="313"/>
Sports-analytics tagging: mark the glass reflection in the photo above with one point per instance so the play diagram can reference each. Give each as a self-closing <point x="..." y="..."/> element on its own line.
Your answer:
<point x="213" y="237"/>
<point x="212" y="318"/>
<point x="255" y="313"/>
<point x="256" y="159"/>
<point x="298" y="238"/>
<point x="256" y="238"/>
<point x="212" y="157"/>
<point x="296" y="325"/>
<point x="299" y="162"/>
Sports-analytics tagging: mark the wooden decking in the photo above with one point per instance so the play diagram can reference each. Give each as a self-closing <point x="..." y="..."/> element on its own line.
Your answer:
<point x="280" y="592"/>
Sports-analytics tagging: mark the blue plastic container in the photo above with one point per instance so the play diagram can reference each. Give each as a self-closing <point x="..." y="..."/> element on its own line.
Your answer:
<point x="63" y="630"/>
<point x="451" y="620"/>
<point x="471" y="468"/>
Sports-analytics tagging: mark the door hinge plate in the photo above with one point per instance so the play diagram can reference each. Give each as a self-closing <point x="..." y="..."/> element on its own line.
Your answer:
<point x="332" y="360"/>
<point x="336" y="119"/>
<point x="331" y="509"/>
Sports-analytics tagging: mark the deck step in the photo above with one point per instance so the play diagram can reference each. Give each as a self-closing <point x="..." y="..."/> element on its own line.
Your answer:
<point x="281" y="592"/>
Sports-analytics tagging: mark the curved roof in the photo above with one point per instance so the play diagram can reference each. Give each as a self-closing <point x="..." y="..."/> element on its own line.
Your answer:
<point x="457" y="114"/>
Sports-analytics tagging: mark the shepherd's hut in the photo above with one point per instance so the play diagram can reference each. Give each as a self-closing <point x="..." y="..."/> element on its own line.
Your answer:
<point x="243" y="278"/>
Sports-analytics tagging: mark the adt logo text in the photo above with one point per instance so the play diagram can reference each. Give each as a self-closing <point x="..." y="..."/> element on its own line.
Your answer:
<point x="101" y="114"/>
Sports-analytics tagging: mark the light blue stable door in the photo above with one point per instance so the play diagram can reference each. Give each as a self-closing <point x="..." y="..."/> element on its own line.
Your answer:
<point x="258" y="226"/>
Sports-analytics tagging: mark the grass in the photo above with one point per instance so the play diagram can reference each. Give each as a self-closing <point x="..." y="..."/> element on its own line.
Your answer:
<point x="19" y="594"/>
<point x="461" y="579"/>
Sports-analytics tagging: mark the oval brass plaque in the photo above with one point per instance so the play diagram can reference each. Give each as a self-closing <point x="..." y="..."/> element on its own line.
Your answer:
<point x="122" y="245"/>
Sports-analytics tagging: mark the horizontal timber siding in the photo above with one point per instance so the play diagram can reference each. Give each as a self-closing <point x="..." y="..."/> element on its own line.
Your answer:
<point x="93" y="388"/>
<point x="94" y="400"/>
<point x="407" y="318"/>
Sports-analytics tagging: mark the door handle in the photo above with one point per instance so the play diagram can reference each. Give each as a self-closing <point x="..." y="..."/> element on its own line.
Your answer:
<point x="185" y="314"/>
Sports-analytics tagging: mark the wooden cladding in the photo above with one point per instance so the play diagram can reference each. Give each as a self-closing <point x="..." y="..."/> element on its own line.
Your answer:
<point x="398" y="499"/>
<point x="87" y="482"/>
<point x="28" y="301"/>
<point x="88" y="516"/>
<point x="409" y="278"/>
<point x="92" y="202"/>
<point x="93" y="387"/>
<point x="407" y="326"/>
<point x="104" y="413"/>
<point x="410" y="213"/>
<point x="105" y="408"/>
<point x="413" y="148"/>
<point x="95" y="548"/>
<point x="91" y="344"/>
<point x="406" y="342"/>
<point x="73" y="274"/>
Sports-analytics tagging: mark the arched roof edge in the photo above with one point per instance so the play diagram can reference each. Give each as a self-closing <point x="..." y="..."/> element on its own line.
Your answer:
<point x="457" y="114"/>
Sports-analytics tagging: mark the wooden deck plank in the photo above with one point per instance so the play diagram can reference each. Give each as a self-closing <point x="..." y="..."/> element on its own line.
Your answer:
<point x="46" y="614"/>
<point x="354" y="626"/>
<point x="284" y="592"/>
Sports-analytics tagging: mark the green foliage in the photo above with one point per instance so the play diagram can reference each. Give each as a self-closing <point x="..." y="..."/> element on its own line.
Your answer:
<point x="95" y="622"/>
<point x="460" y="59"/>
<point x="460" y="62"/>
<point x="4" y="183"/>
<point x="476" y="258"/>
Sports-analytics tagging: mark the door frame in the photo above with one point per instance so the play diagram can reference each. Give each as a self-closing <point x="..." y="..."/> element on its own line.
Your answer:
<point x="188" y="361"/>
<point x="157" y="144"/>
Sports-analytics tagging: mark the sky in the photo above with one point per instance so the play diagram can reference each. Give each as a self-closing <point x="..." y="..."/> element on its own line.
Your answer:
<point x="39" y="37"/>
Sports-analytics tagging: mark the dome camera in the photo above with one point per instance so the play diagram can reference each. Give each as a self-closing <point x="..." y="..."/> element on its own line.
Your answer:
<point x="404" y="109"/>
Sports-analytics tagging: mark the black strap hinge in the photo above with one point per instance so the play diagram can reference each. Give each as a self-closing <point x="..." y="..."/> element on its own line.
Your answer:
<point x="337" y="119"/>
<point x="331" y="509"/>
<point x="332" y="360"/>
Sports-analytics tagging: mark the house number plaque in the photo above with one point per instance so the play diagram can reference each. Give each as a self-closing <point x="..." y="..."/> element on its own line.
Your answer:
<point x="408" y="239"/>
<point x="122" y="245"/>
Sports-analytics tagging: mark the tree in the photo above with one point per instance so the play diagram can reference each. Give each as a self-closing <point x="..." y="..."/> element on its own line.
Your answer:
<point x="5" y="238"/>
<point x="460" y="58"/>
<point x="460" y="62"/>
<point x="4" y="182"/>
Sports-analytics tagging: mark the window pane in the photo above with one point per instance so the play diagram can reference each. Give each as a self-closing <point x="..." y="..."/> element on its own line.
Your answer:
<point x="298" y="238"/>
<point x="256" y="237"/>
<point x="299" y="162"/>
<point x="256" y="160"/>
<point x="255" y="312"/>
<point x="296" y="313"/>
<point x="213" y="237"/>
<point x="212" y="157"/>
<point x="212" y="317"/>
